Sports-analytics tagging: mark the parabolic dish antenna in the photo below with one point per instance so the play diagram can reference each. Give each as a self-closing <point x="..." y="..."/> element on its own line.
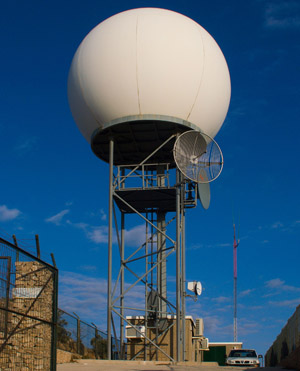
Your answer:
<point x="198" y="288"/>
<point x="198" y="156"/>
<point x="204" y="191"/>
<point x="195" y="287"/>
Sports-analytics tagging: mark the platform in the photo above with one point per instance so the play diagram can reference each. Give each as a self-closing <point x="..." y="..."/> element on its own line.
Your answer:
<point x="147" y="200"/>
<point x="136" y="137"/>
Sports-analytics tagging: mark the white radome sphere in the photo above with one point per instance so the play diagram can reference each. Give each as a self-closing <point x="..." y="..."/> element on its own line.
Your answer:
<point x="149" y="61"/>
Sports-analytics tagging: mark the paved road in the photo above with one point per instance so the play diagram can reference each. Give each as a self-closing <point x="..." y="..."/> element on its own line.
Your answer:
<point x="92" y="365"/>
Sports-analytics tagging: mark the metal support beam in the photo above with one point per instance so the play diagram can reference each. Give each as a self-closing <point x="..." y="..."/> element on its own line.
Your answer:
<point x="152" y="254"/>
<point x="110" y="237"/>
<point x="183" y="282"/>
<point x="122" y="285"/>
<point x="37" y="243"/>
<point x="142" y="216"/>
<point x="150" y="341"/>
<point x="235" y="309"/>
<point x="178" y="270"/>
<point x="141" y="277"/>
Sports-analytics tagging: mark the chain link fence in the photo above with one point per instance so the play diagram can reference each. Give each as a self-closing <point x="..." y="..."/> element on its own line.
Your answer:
<point x="31" y="326"/>
<point x="77" y="336"/>
<point x="28" y="309"/>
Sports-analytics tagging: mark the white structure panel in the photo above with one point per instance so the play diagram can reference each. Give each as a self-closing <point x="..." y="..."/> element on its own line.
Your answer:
<point x="169" y="66"/>
<point x="149" y="61"/>
<point x="213" y="98"/>
<point x="106" y="70"/>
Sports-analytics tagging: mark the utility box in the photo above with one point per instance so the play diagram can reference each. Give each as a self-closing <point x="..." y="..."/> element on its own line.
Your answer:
<point x="204" y="344"/>
<point x="132" y="333"/>
<point x="199" y="327"/>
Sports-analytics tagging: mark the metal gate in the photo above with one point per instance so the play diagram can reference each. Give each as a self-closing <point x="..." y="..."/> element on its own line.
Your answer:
<point x="215" y="354"/>
<point x="28" y="310"/>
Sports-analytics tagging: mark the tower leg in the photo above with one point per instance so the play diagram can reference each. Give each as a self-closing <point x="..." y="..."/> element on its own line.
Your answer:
<point x="178" y="269"/>
<point x="122" y="286"/>
<point x="110" y="230"/>
<point x="183" y="282"/>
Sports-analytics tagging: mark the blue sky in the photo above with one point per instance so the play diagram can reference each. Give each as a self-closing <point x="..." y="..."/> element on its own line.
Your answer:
<point x="53" y="185"/>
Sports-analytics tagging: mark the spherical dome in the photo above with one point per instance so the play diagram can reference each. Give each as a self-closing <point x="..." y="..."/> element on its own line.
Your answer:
<point x="148" y="61"/>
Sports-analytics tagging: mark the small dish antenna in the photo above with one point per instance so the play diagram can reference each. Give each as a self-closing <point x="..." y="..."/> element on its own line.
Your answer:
<point x="198" y="156"/>
<point x="196" y="288"/>
<point x="203" y="191"/>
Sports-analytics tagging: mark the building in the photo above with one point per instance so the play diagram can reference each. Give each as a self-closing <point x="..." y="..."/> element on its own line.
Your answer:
<point x="163" y="333"/>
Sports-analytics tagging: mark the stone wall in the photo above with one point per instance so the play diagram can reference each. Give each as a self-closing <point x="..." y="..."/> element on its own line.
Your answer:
<point x="29" y="348"/>
<point x="66" y="357"/>
<point x="285" y="350"/>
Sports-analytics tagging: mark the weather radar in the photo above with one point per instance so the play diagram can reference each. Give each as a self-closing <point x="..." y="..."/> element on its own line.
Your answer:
<point x="149" y="89"/>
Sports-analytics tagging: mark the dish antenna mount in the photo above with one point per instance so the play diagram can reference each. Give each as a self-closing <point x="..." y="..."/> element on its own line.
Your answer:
<point x="198" y="156"/>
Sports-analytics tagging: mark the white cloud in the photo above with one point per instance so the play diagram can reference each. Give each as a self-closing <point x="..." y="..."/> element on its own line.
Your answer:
<point x="279" y="285"/>
<point x="103" y="215"/>
<point x="246" y="326"/>
<point x="245" y="292"/>
<point x="255" y="307"/>
<point x="88" y="268"/>
<point x="98" y="234"/>
<point x="26" y="146"/>
<point x="286" y="303"/>
<point x="224" y="309"/>
<point x="87" y="296"/>
<point x="57" y="219"/>
<point x="276" y="225"/>
<point x="221" y="299"/>
<point x="287" y="227"/>
<point x="82" y="226"/>
<point x="135" y="236"/>
<point x="95" y="234"/>
<point x="171" y="278"/>
<point x="7" y="214"/>
<point x="201" y="246"/>
<point x="214" y="326"/>
<point x="274" y="283"/>
<point x="284" y="14"/>
<point x="82" y="294"/>
<point x="195" y="247"/>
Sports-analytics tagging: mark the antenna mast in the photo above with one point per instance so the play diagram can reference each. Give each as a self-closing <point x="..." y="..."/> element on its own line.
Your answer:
<point x="235" y="245"/>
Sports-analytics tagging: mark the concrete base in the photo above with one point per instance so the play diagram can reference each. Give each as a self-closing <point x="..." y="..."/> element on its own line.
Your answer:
<point x="104" y="365"/>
